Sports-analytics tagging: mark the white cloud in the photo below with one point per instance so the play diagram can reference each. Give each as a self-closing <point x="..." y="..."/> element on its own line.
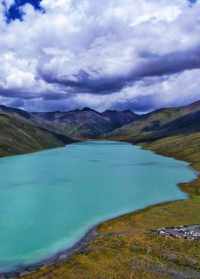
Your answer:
<point x="105" y="39"/>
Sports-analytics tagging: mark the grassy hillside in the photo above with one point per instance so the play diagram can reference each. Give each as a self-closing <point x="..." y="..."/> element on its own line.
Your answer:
<point x="160" y="124"/>
<point x="183" y="147"/>
<point x="19" y="134"/>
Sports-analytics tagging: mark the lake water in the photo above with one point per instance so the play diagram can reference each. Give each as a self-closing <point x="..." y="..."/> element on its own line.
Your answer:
<point x="50" y="199"/>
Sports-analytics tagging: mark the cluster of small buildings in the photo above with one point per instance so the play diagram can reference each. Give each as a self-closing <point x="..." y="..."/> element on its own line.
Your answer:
<point x="191" y="232"/>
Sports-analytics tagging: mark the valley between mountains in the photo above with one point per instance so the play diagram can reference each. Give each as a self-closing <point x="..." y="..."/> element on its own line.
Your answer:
<point x="124" y="247"/>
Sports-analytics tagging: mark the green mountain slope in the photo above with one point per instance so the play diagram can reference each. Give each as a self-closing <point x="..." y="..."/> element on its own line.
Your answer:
<point x="19" y="134"/>
<point x="160" y="124"/>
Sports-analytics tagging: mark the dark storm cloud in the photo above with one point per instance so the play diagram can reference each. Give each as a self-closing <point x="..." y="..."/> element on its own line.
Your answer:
<point x="25" y="94"/>
<point x="153" y="66"/>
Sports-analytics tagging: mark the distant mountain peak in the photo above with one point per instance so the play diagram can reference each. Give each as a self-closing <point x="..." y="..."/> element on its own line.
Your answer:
<point x="89" y="109"/>
<point x="21" y="112"/>
<point x="119" y="111"/>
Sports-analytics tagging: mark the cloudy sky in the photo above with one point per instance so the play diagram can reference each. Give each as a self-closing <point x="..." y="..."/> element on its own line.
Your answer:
<point x="60" y="55"/>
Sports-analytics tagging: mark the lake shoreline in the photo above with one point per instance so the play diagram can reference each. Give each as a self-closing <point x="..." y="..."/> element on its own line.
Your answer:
<point x="79" y="247"/>
<point x="59" y="257"/>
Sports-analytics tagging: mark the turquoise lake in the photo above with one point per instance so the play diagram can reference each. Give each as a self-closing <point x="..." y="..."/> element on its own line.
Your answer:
<point x="50" y="199"/>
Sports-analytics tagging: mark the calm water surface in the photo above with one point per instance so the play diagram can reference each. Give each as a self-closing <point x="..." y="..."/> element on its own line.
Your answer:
<point x="49" y="200"/>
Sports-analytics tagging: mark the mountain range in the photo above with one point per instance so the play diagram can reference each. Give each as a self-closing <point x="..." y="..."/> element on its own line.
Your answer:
<point x="159" y="124"/>
<point x="84" y="123"/>
<point x="23" y="132"/>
